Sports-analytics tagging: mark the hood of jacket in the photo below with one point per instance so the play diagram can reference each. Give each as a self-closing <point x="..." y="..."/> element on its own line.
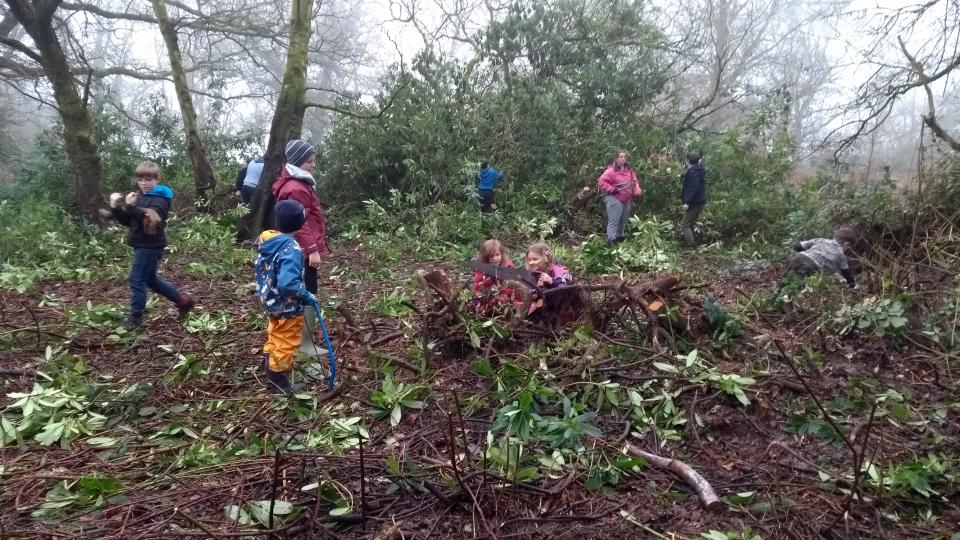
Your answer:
<point x="292" y="173"/>
<point x="161" y="190"/>
<point x="272" y="242"/>
<point x="299" y="174"/>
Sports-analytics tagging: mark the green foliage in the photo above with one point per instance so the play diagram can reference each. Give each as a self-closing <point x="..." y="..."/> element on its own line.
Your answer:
<point x="96" y="315"/>
<point x="606" y="478"/>
<point x="657" y="413"/>
<point x="393" y="398"/>
<point x="883" y="316"/>
<point x="187" y="367"/>
<point x="644" y="250"/>
<point x="696" y="370"/>
<point x="584" y="45"/>
<point x="259" y="513"/>
<point x="941" y="324"/>
<point x="84" y="493"/>
<point x="202" y="322"/>
<point x="792" y="291"/>
<point x="567" y="430"/>
<point x="724" y="326"/>
<point x="40" y="241"/>
<point x="392" y="304"/>
<point x="745" y="534"/>
<point x="805" y="425"/>
<point x="49" y="415"/>
<point x="911" y="478"/>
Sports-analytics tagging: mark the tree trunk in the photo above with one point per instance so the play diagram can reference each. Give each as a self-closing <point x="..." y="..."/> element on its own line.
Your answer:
<point x="203" y="177"/>
<point x="37" y="19"/>
<point x="287" y="120"/>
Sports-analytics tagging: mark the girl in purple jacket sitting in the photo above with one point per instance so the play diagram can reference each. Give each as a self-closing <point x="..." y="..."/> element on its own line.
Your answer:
<point x="550" y="275"/>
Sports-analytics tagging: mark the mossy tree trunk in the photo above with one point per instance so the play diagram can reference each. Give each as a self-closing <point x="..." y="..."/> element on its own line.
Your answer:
<point x="287" y="119"/>
<point x="203" y="177"/>
<point x="36" y="17"/>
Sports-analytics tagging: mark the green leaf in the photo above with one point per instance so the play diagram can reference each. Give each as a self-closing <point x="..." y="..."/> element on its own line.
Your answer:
<point x="261" y="511"/>
<point x="102" y="442"/>
<point x="340" y="511"/>
<point x="483" y="367"/>
<point x="395" y="415"/>
<point x="51" y="433"/>
<point x="666" y="367"/>
<point x="474" y="339"/>
<point x="237" y="515"/>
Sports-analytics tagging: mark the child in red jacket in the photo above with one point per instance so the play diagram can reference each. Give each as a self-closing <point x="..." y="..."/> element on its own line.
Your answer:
<point x="296" y="183"/>
<point x="488" y="290"/>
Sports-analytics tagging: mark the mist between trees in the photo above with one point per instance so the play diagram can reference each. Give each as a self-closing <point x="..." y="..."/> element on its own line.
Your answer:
<point x="410" y="97"/>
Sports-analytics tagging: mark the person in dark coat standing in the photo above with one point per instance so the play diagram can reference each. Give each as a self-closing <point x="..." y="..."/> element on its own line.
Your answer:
<point x="694" y="195"/>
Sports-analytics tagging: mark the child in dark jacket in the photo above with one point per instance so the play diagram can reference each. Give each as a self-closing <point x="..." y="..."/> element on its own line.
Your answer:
<point x="825" y="255"/>
<point x="694" y="195"/>
<point x="145" y="213"/>
<point x="283" y="293"/>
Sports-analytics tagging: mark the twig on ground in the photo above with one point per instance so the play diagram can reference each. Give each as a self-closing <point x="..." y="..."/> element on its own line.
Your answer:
<point x="708" y="497"/>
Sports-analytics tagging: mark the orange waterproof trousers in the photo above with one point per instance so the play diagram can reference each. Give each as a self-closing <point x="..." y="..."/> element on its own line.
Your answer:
<point x="283" y="340"/>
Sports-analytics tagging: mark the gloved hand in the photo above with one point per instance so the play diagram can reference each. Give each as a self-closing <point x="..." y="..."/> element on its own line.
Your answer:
<point x="309" y="299"/>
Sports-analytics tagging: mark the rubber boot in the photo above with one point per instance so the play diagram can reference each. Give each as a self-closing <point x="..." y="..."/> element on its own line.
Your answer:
<point x="307" y="345"/>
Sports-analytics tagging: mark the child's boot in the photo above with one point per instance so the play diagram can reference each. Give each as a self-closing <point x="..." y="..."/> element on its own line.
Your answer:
<point x="184" y="305"/>
<point x="277" y="381"/>
<point x="132" y="322"/>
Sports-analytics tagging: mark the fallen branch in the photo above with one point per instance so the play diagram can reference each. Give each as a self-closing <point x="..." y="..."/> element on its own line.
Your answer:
<point x="708" y="497"/>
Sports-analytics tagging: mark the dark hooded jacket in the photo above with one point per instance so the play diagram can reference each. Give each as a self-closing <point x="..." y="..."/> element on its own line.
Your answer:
<point x="694" y="186"/>
<point x="144" y="233"/>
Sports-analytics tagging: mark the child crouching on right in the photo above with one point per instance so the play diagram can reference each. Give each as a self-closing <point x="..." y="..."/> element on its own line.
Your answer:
<point x="281" y="290"/>
<point x="825" y="255"/>
<point x="550" y="274"/>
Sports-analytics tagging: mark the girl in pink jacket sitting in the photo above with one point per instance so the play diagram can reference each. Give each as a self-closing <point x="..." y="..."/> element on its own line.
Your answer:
<point x="550" y="275"/>
<point x="619" y="185"/>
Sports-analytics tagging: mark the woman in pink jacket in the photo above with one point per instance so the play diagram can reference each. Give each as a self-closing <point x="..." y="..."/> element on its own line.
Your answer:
<point x="619" y="186"/>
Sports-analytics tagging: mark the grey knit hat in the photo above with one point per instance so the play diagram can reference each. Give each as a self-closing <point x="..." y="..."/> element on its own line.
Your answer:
<point x="299" y="151"/>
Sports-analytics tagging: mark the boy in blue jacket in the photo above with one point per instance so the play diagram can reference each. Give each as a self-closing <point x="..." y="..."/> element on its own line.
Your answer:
<point x="281" y="290"/>
<point x="146" y="215"/>
<point x="694" y="195"/>
<point x="487" y="181"/>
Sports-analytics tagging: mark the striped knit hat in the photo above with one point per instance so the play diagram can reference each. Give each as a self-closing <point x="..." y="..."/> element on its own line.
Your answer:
<point x="299" y="151"/>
